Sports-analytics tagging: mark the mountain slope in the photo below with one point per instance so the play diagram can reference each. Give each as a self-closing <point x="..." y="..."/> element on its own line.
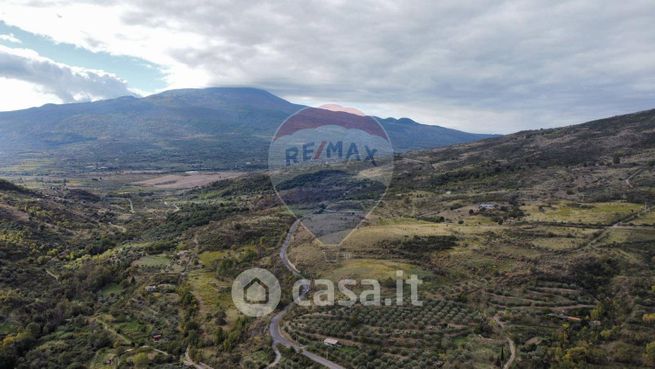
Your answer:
<point x="595" y="157"/>
<point x="553" y="234"/>
<point x="216" y="128"/>
<point x="558" y="268"/>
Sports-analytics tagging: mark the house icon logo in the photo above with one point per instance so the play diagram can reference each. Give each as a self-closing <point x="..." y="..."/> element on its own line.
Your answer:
<point x="256" y="292"/>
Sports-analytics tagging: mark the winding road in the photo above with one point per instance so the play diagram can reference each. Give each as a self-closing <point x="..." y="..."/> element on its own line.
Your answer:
<point x="285" y="248"/>
<point x="275" y="327"/>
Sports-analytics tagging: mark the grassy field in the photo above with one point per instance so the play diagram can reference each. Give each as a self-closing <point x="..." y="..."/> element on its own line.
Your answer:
<point x="646" y="219"/>
<point x="628" y="234"/>
<point x="359" y="269"/>
<point x="368" y="237"/>
<point x="208" y="258"/>
<point x="152" y="261"/>
<point x="589" y="213"/>
<point x="212" y="294"/>
<point x="112" y="289"/>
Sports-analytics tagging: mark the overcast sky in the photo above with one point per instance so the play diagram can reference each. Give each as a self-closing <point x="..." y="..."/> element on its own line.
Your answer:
<point x="481" y="66"/>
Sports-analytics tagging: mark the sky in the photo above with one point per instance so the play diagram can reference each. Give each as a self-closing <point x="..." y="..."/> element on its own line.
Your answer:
<point x="480" y="66"/>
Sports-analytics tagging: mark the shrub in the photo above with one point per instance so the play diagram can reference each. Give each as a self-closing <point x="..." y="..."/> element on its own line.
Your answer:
<point x="649" y="354"/>
<point x="649" y="318"/>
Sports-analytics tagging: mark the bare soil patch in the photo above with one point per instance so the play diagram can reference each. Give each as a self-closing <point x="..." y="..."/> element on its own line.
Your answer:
<point x="187" y="180"/>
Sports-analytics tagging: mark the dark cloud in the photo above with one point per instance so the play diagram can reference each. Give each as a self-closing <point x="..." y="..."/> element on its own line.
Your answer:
<point x="479" y="65"/>
<point x="540" y="62"/>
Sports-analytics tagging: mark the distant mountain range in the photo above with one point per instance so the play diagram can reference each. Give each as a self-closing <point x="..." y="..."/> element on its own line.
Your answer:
<point x="214" y="128"/>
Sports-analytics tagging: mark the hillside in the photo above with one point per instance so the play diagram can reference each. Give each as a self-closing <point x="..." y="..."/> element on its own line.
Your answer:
<point x="547" y="234"/>
<point x="216" y="128"/>
<point x="535" y="249"/>
<point x="587" y="161"/>
<point x="40" y="297"/>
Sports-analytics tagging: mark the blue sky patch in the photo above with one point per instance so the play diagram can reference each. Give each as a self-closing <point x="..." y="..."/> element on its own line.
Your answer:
<point x="138" y="73"/>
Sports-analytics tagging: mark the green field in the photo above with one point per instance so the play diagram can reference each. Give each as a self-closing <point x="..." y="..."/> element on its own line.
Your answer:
<point x="589" y="213"/>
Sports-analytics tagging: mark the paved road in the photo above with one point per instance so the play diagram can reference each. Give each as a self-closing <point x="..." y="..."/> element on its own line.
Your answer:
<point x="279" y="338"/>
<point x="274" y="328"/>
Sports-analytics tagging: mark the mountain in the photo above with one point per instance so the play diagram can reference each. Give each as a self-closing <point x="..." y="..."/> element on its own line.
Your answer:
<point x="215" y="128"/>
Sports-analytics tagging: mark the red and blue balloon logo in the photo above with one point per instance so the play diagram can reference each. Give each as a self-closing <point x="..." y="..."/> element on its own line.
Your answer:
<point x="331" y="167"/>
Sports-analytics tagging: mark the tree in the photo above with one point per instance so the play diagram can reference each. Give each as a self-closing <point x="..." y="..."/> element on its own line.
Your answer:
<point x="141" y="360"/>
<point x="220" y="336"/>
<point x="649" y="354"/>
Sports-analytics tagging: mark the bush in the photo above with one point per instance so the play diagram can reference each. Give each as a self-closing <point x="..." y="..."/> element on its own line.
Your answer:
<point x="141" y="360"/>
<point x="649" y="354"/>
<point x="648" y="318"/>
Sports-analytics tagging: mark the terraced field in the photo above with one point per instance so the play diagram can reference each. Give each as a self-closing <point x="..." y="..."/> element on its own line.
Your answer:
<point x="405" y="335"/>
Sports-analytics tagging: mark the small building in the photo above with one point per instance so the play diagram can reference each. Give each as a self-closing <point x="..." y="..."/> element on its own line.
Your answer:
<point x="488" y="206"/>
<point x="151" y="288"/>
<point x="156" y="337"/>
<point x="332" y="342"/>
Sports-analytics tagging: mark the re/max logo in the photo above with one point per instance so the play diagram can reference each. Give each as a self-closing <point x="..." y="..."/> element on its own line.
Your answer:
<point x="329" y="150"/>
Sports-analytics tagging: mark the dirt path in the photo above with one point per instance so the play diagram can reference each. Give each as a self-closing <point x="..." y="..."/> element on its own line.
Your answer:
<point x="53" y="275"/>
<point x="285" y="248"/>
<point x="189" y="362"/>
<point x="512" y="346"/>
<point x="174" y="205"/>
<point x="156" y="350"/>
<point x="119" y="227"/>
<point x="617" y="224"/>
<point x="112" y="330"/>
<point x="512" y="356"/>
<point x="631" y="176"/>
<point x="131" y="204"/>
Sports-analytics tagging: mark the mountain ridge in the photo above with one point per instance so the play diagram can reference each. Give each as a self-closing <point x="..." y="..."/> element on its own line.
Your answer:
<point x="209" y="129"/>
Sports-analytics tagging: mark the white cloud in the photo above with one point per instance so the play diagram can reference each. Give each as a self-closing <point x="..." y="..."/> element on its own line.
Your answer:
<point x="67" y="83"/>
<point x="9" y="37"/>
<point x="451" y="62"/>
<point x="23" y="95"/>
